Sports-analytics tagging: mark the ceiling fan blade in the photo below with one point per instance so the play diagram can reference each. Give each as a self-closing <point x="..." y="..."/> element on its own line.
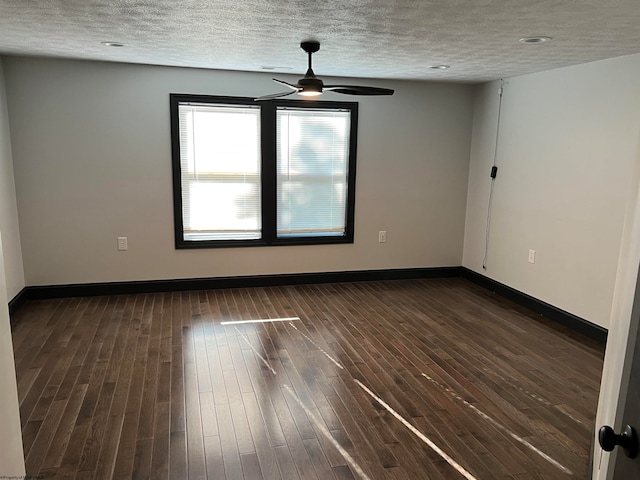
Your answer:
<point x="358" y="90"/>
<point x="275" y="95"/>
<point x="290" y="85"/>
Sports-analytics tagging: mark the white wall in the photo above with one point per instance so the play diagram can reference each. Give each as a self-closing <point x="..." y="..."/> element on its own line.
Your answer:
<point x="92" y="160"/>
<point x="8" y="208"/>
<point x="567" y="145"/>
<point x="11" y="282"/>
<point x="11" y="453"/>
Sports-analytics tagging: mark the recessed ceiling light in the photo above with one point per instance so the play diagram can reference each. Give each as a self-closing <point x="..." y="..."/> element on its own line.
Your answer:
<point x="439" y="67"/>
<point x="112" y="44"/>
<point x="535" y="39"/>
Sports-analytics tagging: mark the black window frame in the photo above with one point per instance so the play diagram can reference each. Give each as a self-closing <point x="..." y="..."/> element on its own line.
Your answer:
<point x="268" y="171"/>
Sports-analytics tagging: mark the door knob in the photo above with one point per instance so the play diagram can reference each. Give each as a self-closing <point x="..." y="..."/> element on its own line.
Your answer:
<point x="628" y="440"/>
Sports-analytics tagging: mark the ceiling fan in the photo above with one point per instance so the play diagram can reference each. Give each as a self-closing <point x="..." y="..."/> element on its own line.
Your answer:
<point x="312" y="86"/>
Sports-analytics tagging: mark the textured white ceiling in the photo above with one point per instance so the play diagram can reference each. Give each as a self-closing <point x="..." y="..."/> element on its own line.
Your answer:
<point x="360" y="38"/>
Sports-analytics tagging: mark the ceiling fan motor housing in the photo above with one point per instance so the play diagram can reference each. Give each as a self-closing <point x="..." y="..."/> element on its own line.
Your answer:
<point x="310" y="82"/>
<point x="310" y="46"/>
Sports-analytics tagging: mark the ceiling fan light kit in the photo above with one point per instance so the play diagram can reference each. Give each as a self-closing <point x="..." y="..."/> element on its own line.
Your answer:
<point x="310" y="93"/>
<point x="312" y="86"/>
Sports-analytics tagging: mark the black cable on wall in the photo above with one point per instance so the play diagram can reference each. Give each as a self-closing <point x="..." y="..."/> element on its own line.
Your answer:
<point x="494" y="173"/>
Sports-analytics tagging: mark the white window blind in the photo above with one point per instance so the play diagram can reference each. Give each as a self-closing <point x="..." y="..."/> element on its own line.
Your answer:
<point x="312" y="167"/>
<point x="220" y="171"/>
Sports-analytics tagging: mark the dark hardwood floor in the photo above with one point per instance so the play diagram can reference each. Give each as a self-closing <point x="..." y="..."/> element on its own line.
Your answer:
<point x="420" y="379"/>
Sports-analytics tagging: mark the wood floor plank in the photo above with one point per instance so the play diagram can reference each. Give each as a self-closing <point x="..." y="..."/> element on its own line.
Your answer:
<point x="142" y="459"/>
<point x="47" y="431"/>
<point x="269" y="417"/>
<point x="114" y="426"/>
<point x="263" y="449"/>
<point x="62" y="436"/>
<point x="177" y="398"/>
<point x="251" y="466"/>
<point x="319" y="460"/>
<point x="213" y="455"/>
<point x="128" y="434"/>
<point x="195" y="443"/>
<point x="40" y="343"/>
<point x="178" y="455"/>
<point x="241" y="428"/>
<point x="161" y="441"/>
<point x="71" y="459"/>
<point x="98" y="422"/>
<point x="230" y="452"/>
<point x="151" y="374"/>
<point x="285" y="463"/>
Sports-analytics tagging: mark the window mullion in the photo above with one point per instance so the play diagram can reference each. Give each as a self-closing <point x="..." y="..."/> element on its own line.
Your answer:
<point x="269" y="175"/>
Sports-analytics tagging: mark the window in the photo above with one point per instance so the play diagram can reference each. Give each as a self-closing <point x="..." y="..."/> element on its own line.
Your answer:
<point x="220" y="171"/>
<point x="262" y="173"/>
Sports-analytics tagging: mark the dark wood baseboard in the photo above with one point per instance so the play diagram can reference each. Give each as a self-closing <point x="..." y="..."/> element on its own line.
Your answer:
<point x="567" y="319"/>
<point x="16" y="302"/>
<point x="154" y="286"/>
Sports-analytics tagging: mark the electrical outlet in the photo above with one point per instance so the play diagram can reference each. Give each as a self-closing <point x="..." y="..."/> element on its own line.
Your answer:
<point x="382" y="236"/>
<point x="532" y="256"/>
<point x="122" y="243"/>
